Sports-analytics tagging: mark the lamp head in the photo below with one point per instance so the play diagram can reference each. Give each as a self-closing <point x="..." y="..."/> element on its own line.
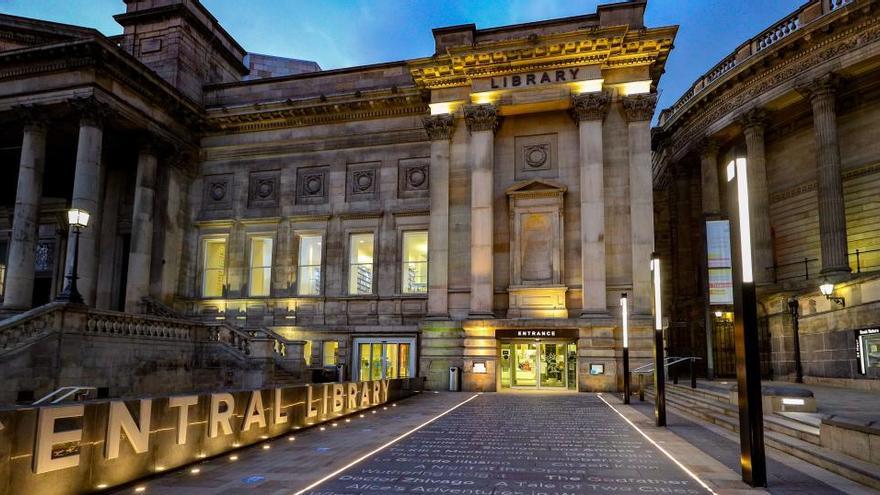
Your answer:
<point x="77" y="218"/>
<point x="827" y="288"/>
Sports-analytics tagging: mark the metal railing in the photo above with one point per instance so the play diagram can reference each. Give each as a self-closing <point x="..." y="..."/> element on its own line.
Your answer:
<point x="668" y="364"/>
<point x="76" y="392"/>
<point x="857" y="261"/>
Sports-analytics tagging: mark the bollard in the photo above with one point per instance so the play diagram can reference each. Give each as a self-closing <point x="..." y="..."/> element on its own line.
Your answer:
<point x="693" y="374"/>
<point x="642" y="387"/>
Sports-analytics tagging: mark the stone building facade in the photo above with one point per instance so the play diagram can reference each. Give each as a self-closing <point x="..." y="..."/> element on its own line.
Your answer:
<point x="484" y="207"/>
<point x="799" y="103"/>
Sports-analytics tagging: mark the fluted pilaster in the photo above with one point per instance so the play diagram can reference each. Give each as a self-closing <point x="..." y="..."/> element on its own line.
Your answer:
<point x="439" y="129"/>
<point x="753" y="123"/>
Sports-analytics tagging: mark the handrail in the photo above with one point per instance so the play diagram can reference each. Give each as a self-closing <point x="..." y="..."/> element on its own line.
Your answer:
<point x="65" y="392"/>
<point x="647" y="369"/>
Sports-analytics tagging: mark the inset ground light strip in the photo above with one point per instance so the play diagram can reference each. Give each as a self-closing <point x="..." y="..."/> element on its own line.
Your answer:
<point x="383" y="447"/>
<point x="661" y="449"/>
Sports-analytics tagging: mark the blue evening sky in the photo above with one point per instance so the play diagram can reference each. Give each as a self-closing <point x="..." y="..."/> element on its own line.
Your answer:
<point x="342" y="33"/>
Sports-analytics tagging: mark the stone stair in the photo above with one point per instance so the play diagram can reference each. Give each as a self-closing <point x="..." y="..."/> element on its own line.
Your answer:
<point x="284" y="378"/>
<point x="796" y="434"/>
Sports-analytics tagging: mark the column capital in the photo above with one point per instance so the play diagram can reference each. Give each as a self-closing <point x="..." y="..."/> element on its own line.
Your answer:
<point x="31" y="116"/>
<point x="708" y="147"/>
<point x="149" y="142"/>
<point x="92" y="112"/>
<point x="589" y="106"/>
<point x="753" y="119"/>
<point x="482" y="117"/>
<point x="824" y="86"/>
<point x="637" y="108"/>
<point x="439" y="127"/>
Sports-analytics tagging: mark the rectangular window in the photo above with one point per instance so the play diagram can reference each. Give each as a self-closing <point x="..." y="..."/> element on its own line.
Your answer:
<point x="415" y="262"/>
<point x="307" y="352"/>
<point x="309" y="271"/>
<point x="360" y="264"/>
<point x="214" y="268"/>
<point x="331" y="347"/>
<point x="260" y="280"/>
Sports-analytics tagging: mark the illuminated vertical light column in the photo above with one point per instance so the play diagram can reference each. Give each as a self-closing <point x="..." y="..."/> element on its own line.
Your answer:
<point x="624" y="316"/>
<point x="748" y="364"/>
<point x="482" y="120"/>
<point x="659" y="359"/>
<point x="439" y="128"/>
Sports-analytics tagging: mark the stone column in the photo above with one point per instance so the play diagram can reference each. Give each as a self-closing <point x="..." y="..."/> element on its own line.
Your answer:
<point x="709" y="178"/>
<point x="25" y="220"/>
<point x="588" y="111"/>
<point x="439" y="128"/>
<point x="832" y="212"/>
<point x="482" y="120"/>
<point x="141" y="250"/>
<point x="753" y="123"/>
<point x="638" y="110"/>
<point x="87" y="184"/>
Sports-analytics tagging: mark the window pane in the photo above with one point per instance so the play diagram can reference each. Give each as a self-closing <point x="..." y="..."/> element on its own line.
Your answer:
<point x="309" y="271"/>
<point x="391" y="356"/>
<point x="261" y="266"/>
<point x="415" y="262"/>
<point x="307" y="353"/>
<point x="403" y="366"/>
<point x="376" y="360"/>
<point x="364" y="357"/>
<point x="330" y="349"/>
<point x="215" y="268"/>
<point x="360" y="278"/>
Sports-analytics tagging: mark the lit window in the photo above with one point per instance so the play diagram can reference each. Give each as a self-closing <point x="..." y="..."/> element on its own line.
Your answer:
<point x="331" y="347"/>
<point x="360" y="264"/>
<point x="307" y="352"/>
<point x="214" y="275"/>
<point x="309" y="275"/>
<point x="415" y="262"/>
<point x="261" y="266"/>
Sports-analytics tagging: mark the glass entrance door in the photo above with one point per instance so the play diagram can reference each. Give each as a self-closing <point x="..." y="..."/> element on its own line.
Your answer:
<point x="525" y="365"/>
<point x="538" y="364"/>
<point x="553" y="365"/>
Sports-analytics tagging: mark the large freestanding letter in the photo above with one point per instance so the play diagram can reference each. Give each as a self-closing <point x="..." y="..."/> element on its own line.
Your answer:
<point x="254" y="412"/>
<point x="120" y="420"/>
<point x="183" y="402"/>
<point x="311" y="411"/>
<point x="218" y="418"/>
<point x="47" y="437"/>
<point x="278" y="417"/>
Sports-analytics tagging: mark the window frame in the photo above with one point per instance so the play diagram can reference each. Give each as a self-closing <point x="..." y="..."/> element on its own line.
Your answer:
<point x="250" y="256"/>
<point x="402" y="262"/>
<point x="348" y="263"/>
<point x="297" y="237"/>
<point x="203" y="261"/>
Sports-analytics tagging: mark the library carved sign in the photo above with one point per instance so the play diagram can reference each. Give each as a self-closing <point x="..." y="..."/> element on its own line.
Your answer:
<point x="73" y="448"/>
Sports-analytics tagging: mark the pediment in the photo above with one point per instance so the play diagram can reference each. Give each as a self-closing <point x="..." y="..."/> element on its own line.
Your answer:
<point x="537" y="187"/>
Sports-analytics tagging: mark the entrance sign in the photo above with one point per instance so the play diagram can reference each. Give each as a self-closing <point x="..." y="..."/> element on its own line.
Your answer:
<point x="72" y="448"/>
<point x="719" y="265"/>
<point x="536" y="333"/>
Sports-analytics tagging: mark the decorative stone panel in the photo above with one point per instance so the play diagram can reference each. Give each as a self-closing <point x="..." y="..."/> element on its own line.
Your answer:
<point x="536" y="156"/>
<point x="362" y="181"/>
<point x="263" y="189"/>
<point x="413" y="175"/>
<point x="311" y="185"/>
<point x="218" y="192"/>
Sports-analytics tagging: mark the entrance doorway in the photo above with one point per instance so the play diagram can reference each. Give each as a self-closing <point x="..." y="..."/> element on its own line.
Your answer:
<point x="538" y="364"/>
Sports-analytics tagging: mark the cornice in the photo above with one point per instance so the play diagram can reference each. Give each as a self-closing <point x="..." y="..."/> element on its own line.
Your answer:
<point x="610" y="47"/>
<point x="686" y="130"/>
<point x="393" y="102"/>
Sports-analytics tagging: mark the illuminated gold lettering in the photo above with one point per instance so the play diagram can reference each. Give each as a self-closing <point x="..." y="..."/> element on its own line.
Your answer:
<point x="218" y="419"/>
<point x="376" y="388"/>
<point x="311" y="411"/>
<point x="365" y="394"/>
<point x="338" y="392"/>
<point x="278" y="416"/>
<point x="183" y="404"/>
<point x="352" y="395"/>
<point x="47" y="437"/>
<point x="254" y="412"/>
<point x="385" y="386"/>
<point x="119" y="420"/>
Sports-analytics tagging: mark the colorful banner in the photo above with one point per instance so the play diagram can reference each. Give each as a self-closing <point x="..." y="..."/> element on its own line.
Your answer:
<point x="719" y="263"/>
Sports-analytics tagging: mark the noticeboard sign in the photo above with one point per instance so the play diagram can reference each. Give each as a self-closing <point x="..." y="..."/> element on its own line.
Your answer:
<point x="719" y="262"/>
<point x="867" y="349"/>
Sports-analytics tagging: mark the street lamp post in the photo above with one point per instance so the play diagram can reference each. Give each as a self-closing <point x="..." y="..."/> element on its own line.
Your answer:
<point x="624" y="313"/>
<point x="748" y="362"/>
<point x="794" y="309"/>
<point x="659" y="359"/>
<point x="78" y="219"/>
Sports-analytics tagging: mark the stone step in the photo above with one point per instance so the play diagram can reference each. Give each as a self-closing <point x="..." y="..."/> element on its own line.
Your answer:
<point x="785" y="435"/>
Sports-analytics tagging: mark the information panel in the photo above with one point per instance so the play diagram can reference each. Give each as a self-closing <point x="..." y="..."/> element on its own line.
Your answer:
<point x="719" y="263"/>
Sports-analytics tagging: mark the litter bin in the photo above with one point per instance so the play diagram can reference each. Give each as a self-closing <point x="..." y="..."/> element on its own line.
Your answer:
<point x="340" y="372"/>
<point x="454" y="378"/>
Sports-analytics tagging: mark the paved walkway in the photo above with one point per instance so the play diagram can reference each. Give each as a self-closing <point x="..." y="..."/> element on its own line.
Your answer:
<point x="492" y="444"/>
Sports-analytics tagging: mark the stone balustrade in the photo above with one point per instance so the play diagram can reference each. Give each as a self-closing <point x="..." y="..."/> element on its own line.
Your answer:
<point x="808" y="13"/>
<point x="26" y="327"/>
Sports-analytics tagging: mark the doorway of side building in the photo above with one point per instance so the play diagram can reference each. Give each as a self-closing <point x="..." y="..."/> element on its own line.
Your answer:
<point x="538" y="365"/>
